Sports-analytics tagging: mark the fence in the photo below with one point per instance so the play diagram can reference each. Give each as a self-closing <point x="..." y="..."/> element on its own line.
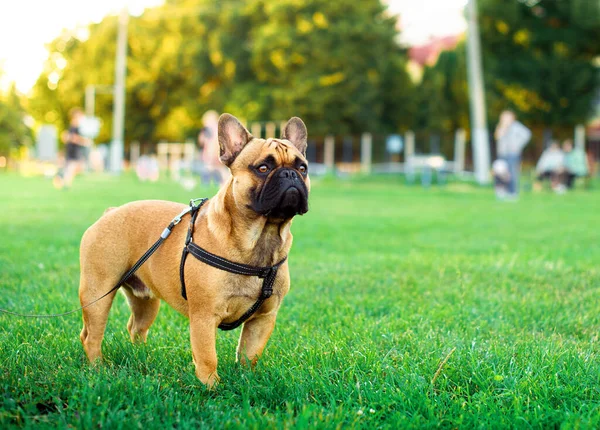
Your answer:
<point x="371" y="152"/>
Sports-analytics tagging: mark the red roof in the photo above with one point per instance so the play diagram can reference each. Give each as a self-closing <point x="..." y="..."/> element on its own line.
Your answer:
<point x="427" y="54"/>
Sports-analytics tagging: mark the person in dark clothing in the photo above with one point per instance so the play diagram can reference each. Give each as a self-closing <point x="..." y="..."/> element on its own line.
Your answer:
<point x="75" y="147"/>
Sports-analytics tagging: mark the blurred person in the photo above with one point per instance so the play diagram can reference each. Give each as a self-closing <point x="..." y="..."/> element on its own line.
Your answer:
<point x="550" y="166"/>
<point x="75" y="147"/>
<point x="212" y="168"/>
<point x="501" y="175"/>
<point x="96" y="160"/>
<point x="575" y="163"/>
<point x="511" y="137"/>
<point x="147" y="168"/>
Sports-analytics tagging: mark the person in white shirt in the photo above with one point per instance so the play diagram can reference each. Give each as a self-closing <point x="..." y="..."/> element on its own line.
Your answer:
<point x="511" y="137"/>
<point x="551" y="165"/>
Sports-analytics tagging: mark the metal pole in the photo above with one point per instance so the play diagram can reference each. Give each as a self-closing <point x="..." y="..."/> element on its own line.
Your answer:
<point x="580" y="137"/>
<point x="409" y="145"/>
<point x="479" y="131"/>
<point x="329" y="156"/>
<point x="459" y="151"/>
<point x="366" y="152"/>
<point x="270" y="130"/>
<point x="116" y="147"/>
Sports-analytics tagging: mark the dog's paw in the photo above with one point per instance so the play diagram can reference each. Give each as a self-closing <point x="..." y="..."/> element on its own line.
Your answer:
<point x="211" y="381"/>
<point x="246" y="361"/>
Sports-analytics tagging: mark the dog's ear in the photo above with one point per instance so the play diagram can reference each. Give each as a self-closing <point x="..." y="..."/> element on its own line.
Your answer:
<point x="233" y="136"/>
<point x="295" y="132"/>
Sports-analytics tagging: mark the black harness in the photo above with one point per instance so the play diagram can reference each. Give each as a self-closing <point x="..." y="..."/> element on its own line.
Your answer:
<point x="268" y="274"/>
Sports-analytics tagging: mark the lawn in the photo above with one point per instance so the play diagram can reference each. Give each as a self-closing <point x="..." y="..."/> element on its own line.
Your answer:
<point x="408" y="308"/>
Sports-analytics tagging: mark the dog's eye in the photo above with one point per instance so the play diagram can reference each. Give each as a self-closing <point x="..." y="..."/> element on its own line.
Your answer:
<point x="302" y="169"/>
<point x="263" y="168"/>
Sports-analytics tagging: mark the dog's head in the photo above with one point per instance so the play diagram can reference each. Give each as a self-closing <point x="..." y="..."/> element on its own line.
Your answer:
<point x="270" y="177"/>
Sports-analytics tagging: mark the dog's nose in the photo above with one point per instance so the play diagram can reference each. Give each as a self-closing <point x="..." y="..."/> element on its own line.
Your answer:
<point x="288" y="174"/>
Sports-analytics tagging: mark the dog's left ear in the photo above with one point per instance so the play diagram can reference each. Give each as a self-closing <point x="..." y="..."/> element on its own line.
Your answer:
<point x="233" y="136"/>
<point x="295" y="132"/>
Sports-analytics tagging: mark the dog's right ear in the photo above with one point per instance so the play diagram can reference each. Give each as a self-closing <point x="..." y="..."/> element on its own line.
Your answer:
<point x="233" y="136"/>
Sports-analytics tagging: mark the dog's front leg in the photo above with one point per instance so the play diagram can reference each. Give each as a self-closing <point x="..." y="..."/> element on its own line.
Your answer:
<point x="254" y="337"/>
<point x="204" y="351"/>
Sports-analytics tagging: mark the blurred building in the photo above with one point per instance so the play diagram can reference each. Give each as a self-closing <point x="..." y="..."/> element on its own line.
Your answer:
<point x="428" y="53"/>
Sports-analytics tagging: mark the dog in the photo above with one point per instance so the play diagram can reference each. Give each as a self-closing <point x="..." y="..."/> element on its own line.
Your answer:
<point x="248" y="221"/>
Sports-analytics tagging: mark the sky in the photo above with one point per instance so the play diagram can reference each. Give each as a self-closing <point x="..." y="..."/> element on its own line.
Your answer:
<point x="422" y="19"/>
<point x="27" y="25"/>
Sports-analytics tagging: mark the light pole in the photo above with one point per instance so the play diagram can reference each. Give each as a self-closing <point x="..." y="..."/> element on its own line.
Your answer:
<point x="117" y="146"/>
<point x="479" y="130"/>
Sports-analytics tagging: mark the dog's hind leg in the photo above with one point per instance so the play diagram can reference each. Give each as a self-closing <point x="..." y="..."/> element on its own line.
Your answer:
<point x="94" y="316"/>
<point x="143" y="312"/>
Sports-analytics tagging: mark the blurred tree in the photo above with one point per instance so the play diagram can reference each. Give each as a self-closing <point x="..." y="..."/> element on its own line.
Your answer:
<point x="539" y="58"/>
<point x="336" y="64"/>
<point x="443" y="97"/>
<point x="13" y="131"/>
<point x="74" y="63"/>
<point x="50" y="101"/>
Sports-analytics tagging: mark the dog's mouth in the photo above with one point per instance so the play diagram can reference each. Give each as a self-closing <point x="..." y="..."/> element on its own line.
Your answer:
<point x="282" y="199"/>
<point x="293" y="202"/>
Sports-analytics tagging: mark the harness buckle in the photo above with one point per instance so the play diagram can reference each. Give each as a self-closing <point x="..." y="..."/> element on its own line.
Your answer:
<point x="266" y="293"/>
<point x="177" y="219"/>
<point x="194" y="204"/>
<point x="265" y="273"/>
<point x="269" y="277"/>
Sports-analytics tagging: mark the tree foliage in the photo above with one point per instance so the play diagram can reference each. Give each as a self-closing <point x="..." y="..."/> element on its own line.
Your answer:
<point x="335" y="64"/>
<point x="443" y="98"/>
<point x="539" y="58"/>
<point x="13" y="131"/>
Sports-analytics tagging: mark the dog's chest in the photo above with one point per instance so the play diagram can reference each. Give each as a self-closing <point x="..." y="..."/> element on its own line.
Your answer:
<point x="241" y="292"/>
<point x="239" y="287"/>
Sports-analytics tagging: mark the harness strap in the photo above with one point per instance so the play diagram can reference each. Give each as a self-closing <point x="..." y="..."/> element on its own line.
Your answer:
<point x="228" y="266"/>
<point x="267" y="274"/>
<point x="195" y="210"/>
<point x="166" y="232"/>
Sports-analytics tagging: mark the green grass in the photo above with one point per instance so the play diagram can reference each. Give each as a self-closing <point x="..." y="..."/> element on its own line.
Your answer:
<point x="387" y="280"/>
